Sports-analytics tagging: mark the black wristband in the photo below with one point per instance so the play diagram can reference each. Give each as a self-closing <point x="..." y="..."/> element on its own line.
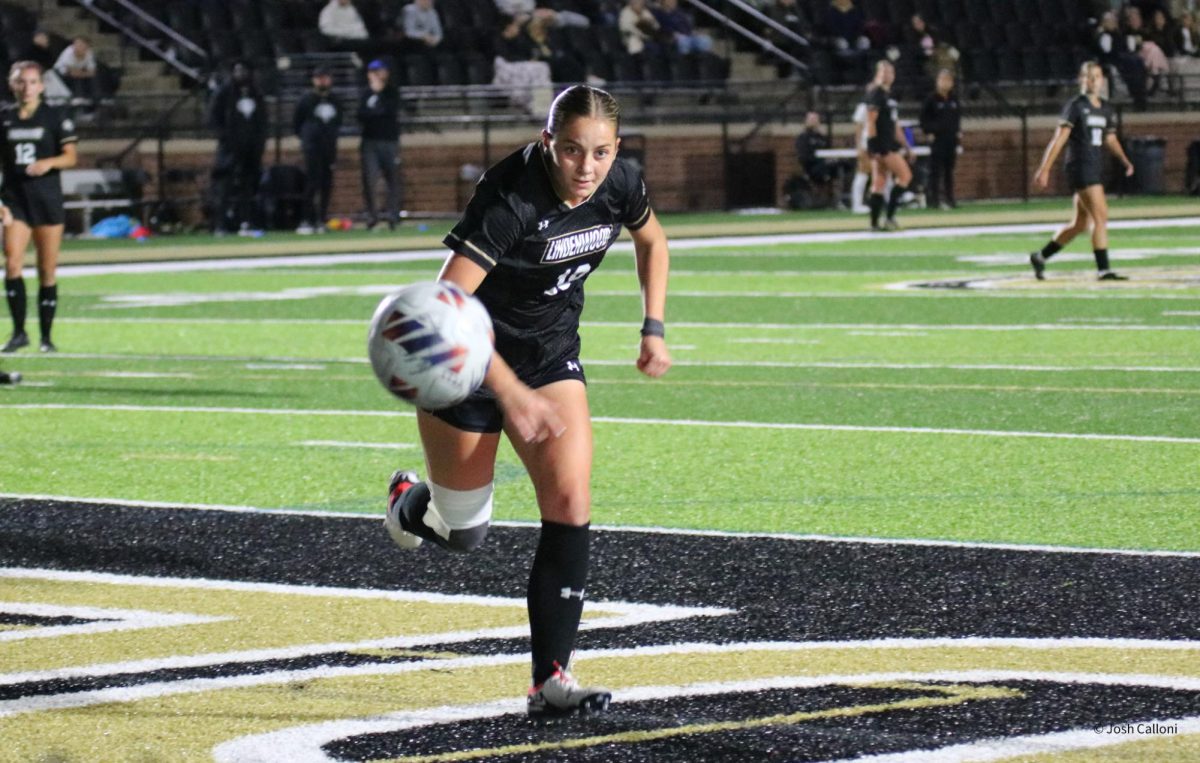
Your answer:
<point x="653" y="327"/>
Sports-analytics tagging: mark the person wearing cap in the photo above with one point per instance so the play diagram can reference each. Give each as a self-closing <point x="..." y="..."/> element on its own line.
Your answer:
<point x="318" y="120"/>
<point x="378" y="112"/>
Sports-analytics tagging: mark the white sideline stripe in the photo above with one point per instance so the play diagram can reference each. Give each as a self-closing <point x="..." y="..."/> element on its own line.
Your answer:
<point x="367" y="445"/>
<point x="304" y="743"/>
<point x="679" y="244"/>
<point x="107" y="619"/>
<point x="613" y="614"/>
<point x="806" y="537"/>
<point x="786" y="426"/>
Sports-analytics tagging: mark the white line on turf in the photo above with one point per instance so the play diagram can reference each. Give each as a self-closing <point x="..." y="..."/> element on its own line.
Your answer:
<point x="992" y="546"/>
<point x="104" y="620"/>
<point x="364" y="445"/>
<point x="778" y="425"/>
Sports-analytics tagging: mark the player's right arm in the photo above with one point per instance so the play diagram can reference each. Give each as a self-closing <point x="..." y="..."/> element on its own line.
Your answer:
<point x="1055" y="147"/>
<point x="534" y="416"/>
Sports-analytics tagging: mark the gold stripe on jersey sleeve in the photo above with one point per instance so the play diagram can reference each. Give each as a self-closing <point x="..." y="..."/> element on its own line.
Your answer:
<point x="642" y="219"/>
<point x="491" y="260"/>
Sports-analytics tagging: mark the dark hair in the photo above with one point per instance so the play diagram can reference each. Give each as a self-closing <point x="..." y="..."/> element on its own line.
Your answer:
<point x="582" y="101"/>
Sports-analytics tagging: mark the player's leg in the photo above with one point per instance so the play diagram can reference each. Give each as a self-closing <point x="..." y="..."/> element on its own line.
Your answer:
<point x="858" y="186"/>
<point x="16" y="241"/>
<point x="1097" y="206"/>
<point x="560" y="469"/>
<point x="453" y="507"/>
<point x="47" y="240"/>
<point x="1079" y="223"/>
<point x="899" y="169"/>
<point x="878" y="183"/>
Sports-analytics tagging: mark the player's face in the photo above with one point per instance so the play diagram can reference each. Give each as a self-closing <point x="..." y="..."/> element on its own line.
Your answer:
<point x="1091" y="80"/>
<point x="581" y="155"/>
<point x="27" y="86"/>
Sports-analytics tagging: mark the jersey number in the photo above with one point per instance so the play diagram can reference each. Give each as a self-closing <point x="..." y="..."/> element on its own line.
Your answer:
<point x="26" y="153"/>
<point x="568" y="277"/>
<point x="1097" y="136"/>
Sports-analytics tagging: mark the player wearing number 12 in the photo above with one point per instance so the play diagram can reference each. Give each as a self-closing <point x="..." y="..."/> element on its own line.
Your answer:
<point x="540" y="221"/>
<point x="39" y="141"/>
<point x="1087" y="124"/>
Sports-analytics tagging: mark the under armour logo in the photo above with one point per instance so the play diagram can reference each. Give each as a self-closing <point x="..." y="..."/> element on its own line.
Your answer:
<point x="573" y="366"/>
<point x="570" y="593"/>
<point x="543" y="224"/>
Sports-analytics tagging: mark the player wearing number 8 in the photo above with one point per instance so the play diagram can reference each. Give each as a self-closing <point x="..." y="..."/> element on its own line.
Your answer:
<point x="1086" y="125"/>
<point x="540" y="221"/>
<point x="39" y="141"/>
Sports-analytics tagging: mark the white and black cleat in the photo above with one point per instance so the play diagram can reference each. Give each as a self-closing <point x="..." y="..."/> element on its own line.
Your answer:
<point x="561" y="696"/>
<point x="401" y="483"/>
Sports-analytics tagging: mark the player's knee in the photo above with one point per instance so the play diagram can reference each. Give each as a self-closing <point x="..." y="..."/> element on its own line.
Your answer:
<point x="568" y="505"/>
<point x="460" y="517"/>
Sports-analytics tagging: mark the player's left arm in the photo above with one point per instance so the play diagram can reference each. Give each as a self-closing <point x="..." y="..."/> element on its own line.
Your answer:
<point x="653" y="265"/>
<point x="64" y="161"/>
<point x="1115" y="147"/>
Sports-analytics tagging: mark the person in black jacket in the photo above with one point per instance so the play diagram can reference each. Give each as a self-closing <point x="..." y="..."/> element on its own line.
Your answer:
<point x="239" y="115"/>
<point x="941" y="120"/>
<point x="378" y="109"/>
<point x="317" y="120"/>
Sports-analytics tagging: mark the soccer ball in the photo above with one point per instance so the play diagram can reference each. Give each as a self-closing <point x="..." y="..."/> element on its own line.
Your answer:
<point x="430" y="344"/>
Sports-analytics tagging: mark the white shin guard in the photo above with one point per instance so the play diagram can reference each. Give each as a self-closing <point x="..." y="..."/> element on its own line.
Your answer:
<point x="460" y="517"/>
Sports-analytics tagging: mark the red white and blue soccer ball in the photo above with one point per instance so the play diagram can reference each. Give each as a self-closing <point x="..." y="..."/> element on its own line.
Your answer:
<point x="430" y="344"/>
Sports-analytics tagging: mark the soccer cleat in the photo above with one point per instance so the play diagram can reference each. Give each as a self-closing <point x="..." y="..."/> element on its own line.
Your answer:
<point x="402" y="481"/>
<point x="1108" y="275"/>
<point x="18" y="340"/>
<point x="1039" y="265"/>
<point x="560" y="696"/>
<point x="10" y="378"/>
<point x="890" y="224"/>
<point x="47" y="346"/>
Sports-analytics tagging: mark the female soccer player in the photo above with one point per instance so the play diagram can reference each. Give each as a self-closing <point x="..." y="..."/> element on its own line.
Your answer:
<point x="1086" y="124"/>
<point x="540" y="221"/>
<point x="39" y="141"/>
<point x="885" y="139"/>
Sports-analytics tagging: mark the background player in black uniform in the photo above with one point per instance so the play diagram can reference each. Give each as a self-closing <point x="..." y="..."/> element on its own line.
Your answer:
<point x="540" y="221"/>
<point x="942" y="121"/>
<point x="1086" y="124"/>
<point x="318" y="120"/>
<point x="5" y="377"/>
<point x="239" y="115"/>
<point x="39" y="141"/>
<point x="885" y="140"/>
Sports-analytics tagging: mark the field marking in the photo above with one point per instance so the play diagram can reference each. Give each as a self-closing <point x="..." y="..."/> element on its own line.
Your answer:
<point x="106" y="620"/>
<point x="774" y="425"/>
<point x="305" y="743"/>
<point x="898" y="386"/>
<point x="364" y="445"/>
<point x="649" y="529"/>
<point x="613" y="614"/>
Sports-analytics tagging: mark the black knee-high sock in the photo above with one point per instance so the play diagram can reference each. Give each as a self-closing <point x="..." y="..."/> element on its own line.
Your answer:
<point x="555" y="595"/>
<point x="47" y="306"/>
<point x="1101" y="259"/>
<point x="894" y="199"/>
<point x="14" y="290"/>
<point x="1050" y="249"/>
<point x="876" y="203"/>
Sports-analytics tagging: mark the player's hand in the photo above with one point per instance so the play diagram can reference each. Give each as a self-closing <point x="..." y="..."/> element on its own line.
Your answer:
<point x="653" y="359"/>
<point x="38" y="168"/>
<point x="1128" y="170"/>
<point x="1042" y="179"/>
<point x="6" y="217"/>
<point x="534" y="416"/>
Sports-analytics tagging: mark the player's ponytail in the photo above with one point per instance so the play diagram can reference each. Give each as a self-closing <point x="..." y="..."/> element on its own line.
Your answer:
<point x="582" y="101"/>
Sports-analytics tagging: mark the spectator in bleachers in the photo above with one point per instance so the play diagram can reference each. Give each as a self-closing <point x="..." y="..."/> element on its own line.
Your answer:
<point x="639" y="28"/>
<point x="342" y="24"/>
<point x="1153" y="57"/>
<point x="676" y="26"/>
<point x="788" y="14"/>
<point x="1118" y="51"/>
<point x="239" y="115"/>
<point x="378" y="112"/>
<point x="526" y="80"/>
<point x="548" y="47"/>
<point x="40" y="52"/>
<point x="941" y="121"/>
<point x="845" y="28"/>
<point x="422" y="27"/>
<point x="318" y="120"/>
<point x="1187" y="35"/>
<point x="77" y="66"/>
<point x="528" y="9"/>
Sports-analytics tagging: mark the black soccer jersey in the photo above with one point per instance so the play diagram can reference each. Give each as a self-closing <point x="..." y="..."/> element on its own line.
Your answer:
<point x="1089" y="124"/>
<point x="537" y="252"/>
<point x="41" y="136"/>
<point x="888" y="110"/>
